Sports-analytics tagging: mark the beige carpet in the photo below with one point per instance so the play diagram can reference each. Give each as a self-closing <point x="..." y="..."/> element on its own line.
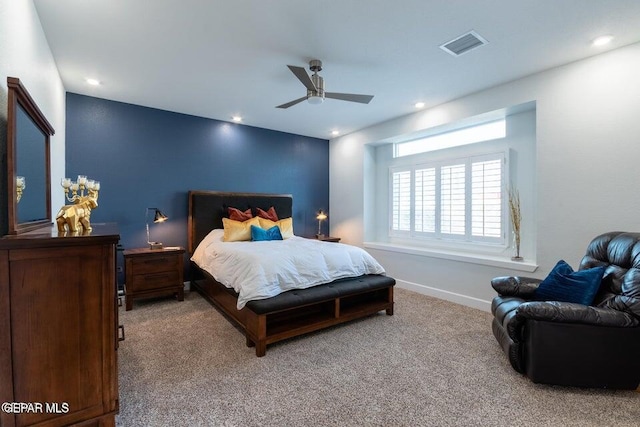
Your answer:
<point x="433" y="363"/>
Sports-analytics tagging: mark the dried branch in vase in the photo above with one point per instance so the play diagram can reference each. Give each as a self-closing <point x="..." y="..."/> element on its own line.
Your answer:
<point x="515" y="213"/>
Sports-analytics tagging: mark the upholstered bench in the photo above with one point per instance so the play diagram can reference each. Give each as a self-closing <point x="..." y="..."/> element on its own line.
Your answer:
<point x="301" y="311"/>
<point x="337" y="289"/>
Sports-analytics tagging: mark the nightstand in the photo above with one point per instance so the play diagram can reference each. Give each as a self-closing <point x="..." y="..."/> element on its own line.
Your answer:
<point x="327" y="239"/>
<point x="153" y="272"/>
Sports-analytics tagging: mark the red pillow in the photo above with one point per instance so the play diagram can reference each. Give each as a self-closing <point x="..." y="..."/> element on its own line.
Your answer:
<point x="270" y="214"/>
<point x="238" y="215"/>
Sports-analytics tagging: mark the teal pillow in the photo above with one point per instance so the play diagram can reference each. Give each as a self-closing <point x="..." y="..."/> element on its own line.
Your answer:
<point x="260" y="234"/>
<point x="564" y="284"/>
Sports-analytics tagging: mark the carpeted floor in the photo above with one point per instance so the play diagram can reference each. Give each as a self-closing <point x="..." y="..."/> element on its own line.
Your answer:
<point x="433" y="363"/>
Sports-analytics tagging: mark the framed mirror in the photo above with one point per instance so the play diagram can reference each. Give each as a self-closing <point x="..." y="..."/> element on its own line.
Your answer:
<point x="28" y="162"/>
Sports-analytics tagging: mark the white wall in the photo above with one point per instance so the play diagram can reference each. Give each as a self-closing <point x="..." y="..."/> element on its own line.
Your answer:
<point x="587" y="149"/>
<point x="25" y="54"/>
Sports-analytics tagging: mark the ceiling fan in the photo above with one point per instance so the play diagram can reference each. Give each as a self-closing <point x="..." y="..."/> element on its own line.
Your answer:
<point x="315" y="87"/>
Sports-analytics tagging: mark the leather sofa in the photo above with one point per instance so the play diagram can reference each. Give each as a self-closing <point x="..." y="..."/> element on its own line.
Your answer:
<point x="571" y="344"/>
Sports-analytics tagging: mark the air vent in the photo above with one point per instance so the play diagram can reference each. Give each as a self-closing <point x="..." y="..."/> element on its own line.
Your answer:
<point x="464" y="43"/>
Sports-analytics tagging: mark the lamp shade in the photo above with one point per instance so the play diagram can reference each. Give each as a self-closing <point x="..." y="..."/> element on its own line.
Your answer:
<point x="159" y="216"/>
<point x="321" y="216"/>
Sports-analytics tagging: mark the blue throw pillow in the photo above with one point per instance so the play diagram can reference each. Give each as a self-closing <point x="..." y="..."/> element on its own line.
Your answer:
<point x="260" y="234"/>
<point x="564" y="284"/>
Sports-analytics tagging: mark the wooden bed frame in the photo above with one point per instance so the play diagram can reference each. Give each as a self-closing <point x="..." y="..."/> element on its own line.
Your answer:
<point x="300" y="312"/>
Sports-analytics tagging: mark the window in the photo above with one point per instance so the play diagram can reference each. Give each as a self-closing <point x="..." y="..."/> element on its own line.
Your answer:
<point x="452" y="199"/>
<point x="457" y="199"/>
<point x="401" y="201"/>
<point x="486" y="198"/>
<point x="453" y="203"/>
<point x="469" y="135"/>
<point x="425" y="200"/>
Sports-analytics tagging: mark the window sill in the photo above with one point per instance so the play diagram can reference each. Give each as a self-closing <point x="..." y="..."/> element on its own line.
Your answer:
<point x="494" y="261"/>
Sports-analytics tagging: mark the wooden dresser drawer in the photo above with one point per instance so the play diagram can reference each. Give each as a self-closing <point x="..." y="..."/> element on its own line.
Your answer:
<point x="155" y="280"/>
<point x="144" y="265"/>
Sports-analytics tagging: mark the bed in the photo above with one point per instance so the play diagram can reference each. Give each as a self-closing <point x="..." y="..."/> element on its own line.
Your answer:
<point x="294" y="312"/>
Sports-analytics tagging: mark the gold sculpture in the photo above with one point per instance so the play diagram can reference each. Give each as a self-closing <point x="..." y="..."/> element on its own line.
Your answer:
<point x="21" y="184"/>
<point x="75" y="218"/>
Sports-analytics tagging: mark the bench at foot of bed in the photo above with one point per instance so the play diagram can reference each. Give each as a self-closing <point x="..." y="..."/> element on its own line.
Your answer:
<point x="302" y="311"/>
<point x="298" y="312"/>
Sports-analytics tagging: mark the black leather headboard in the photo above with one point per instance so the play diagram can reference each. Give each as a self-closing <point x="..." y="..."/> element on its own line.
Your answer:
<point x="207" y="208"/>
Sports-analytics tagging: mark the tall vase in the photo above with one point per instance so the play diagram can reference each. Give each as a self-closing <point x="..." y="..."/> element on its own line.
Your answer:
<point x="516" y="246"/>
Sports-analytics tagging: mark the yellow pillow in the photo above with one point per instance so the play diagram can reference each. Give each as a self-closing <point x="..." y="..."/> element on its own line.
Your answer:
<point x="238" y="231"/>
<point x="285" y="225"/>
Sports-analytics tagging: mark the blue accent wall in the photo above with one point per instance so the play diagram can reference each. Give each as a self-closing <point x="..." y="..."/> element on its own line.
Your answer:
<point x="144" y="157"/>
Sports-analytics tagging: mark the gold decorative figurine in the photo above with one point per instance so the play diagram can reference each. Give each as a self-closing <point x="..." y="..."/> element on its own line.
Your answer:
<point x="75" y="218"/>
<point x="21" y="184"/>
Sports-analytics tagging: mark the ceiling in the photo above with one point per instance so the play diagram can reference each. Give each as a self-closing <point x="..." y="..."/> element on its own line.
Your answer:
<point x="217" y="59"/>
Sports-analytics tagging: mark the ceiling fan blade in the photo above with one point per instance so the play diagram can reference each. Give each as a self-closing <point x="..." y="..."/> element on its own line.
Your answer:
<point x="289" y="104"/>
<point x="363" y="99"/>
<point x="302" y="75"/>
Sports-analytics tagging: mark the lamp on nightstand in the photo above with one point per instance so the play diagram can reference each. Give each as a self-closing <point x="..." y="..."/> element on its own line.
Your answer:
<point x="320" y="217"/>
<point x="157" y="218"/>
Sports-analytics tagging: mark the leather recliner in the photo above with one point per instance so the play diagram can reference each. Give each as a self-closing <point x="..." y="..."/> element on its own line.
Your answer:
<point x="571" y="344"/>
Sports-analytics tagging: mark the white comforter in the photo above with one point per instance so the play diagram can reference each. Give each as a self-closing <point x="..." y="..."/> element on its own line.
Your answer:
<point x="259" y="270"/>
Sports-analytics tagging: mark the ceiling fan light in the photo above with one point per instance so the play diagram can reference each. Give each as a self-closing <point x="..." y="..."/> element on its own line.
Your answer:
<point x="315" y="100"/>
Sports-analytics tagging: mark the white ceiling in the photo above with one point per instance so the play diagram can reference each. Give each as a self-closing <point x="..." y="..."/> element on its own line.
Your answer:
<point x="216" y="59"/>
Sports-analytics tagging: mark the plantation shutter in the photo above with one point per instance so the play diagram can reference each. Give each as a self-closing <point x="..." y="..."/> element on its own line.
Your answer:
<point x="486" y="198"/>
<point x="401" y="201"/>
<point x="425" y="200"/>
<point x="459" y="199"/>
<point x="452" y="199"/>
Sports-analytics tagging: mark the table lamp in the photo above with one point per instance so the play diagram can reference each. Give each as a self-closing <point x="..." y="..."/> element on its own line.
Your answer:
<point x="320" y="217"/>
<point x="157" y="218"/>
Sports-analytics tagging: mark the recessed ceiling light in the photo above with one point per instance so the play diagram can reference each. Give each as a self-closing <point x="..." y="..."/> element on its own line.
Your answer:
<point x="602" y="40"/>
<point x="93" y="82"/>
<point x="419" y="104"/>
<point x="236" y="119"/>
<point x="335" y="132"/>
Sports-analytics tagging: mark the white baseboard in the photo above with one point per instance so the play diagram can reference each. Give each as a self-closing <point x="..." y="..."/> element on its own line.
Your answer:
<point x="445" y="295"/>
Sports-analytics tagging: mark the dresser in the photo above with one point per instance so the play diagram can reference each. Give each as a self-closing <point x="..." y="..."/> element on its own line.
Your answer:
<point x="153" y="272"/>
<point x="58" y="328"/>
